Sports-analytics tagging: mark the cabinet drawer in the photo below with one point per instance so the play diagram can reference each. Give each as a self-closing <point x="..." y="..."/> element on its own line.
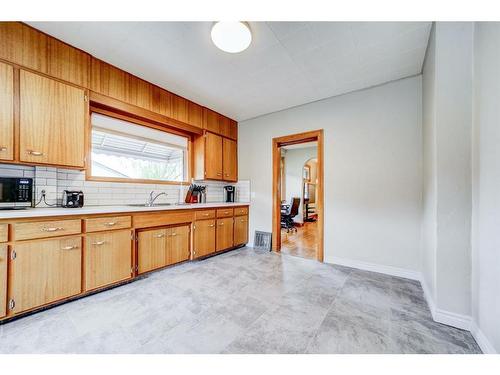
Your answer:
<point x="107" y="223"/>
<point x="205" y="214"/>
<point x="224" y="212"/>
<point x="239" y="211"/>
<point x="44" y="229"/>
<point x="4" y="233"/>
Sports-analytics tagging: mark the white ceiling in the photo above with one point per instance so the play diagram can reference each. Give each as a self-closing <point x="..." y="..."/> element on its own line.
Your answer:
<point x="287" y="64"/>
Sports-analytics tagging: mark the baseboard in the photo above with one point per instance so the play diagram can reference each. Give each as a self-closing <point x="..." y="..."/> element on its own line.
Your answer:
<point x="373" y="267"/>
<point x="481" y="340"/>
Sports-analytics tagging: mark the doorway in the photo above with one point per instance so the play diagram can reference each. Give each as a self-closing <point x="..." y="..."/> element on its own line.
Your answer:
<point x="298" y="230"/>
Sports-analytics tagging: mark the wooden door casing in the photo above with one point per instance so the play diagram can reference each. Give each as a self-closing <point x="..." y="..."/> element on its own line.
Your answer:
<point x="203" y="238"/>
<point x="6" y="112"/>
<point x="45" y="271"/>
<point x="108" y="258"/>
<point x="224" y="233"/>
<point x="51" y="120"/>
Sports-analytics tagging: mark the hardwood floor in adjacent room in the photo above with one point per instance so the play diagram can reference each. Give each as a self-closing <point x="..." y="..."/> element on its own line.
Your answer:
<point x="302" y="243"/>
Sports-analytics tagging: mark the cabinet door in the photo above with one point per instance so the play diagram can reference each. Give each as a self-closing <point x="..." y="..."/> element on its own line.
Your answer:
<point x="45" y="271"/>
<point x="224" y="233"/>
<point x="212" y="121"/>
<point x="3" y="280"/>
<point x="230" y="160"/>
<point x="6" y="112"/>
<point x="108" y="258"/>
<point x="225" y="126"/>
<point x="52" y="121"/>
<point x="203" y="238"/>
<point x="195" y="115"/>
<point x="240" y="230"/>
<point x="178" y="244"/>
<point x="213" y="156"/>
<point x="152" y="249"/>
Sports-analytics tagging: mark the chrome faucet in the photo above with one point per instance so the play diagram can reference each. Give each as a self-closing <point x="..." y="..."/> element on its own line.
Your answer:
<point x="152" y="199"/>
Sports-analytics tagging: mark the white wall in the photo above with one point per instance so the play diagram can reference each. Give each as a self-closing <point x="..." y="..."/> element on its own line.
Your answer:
<point x="447" y="204"/>
<point x="373" y="162"/>
<point x="294" y="165"/>
<point x="486" y="187"/>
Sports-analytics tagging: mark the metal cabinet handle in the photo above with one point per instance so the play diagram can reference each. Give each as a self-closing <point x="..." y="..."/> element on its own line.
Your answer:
<point x="98" y="243"/>
<point x="111" y="223"/>
<point x="174" y="234"/>
<point x="52" y="229"/>
<point x="35" y="153"/>
<point x="3" y="148"/>
<point x="71" y="247"/>
<point x="221" y="224"/>
<point x="205" y="214"/>
<point x="211" y="225"/>
<point x="159" y="235"/>
<point x="219" y="174"/>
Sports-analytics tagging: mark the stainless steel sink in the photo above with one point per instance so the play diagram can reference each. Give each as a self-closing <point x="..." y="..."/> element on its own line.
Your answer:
<point x="146" y="205"/>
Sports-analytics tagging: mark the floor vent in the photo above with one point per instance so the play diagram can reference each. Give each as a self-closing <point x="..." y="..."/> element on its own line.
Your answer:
<point x="262" y="240"/>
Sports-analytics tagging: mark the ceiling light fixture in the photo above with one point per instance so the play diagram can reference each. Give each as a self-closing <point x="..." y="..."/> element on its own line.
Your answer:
<point x="232" y="37"/>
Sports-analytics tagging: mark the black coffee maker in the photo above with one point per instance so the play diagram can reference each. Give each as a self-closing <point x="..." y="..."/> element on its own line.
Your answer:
<point x="229" y="193"/>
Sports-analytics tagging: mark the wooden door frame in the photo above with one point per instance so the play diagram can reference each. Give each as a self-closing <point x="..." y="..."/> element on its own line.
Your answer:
<point x="310" y="136"/>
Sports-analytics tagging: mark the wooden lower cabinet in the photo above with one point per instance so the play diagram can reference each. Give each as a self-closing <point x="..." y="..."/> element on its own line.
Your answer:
<point x="3" y="280"/>
<point x="162" y="247"/>
<point x="44" y="271"/>
<point x="203" y="238"/>
<point x="224" y="233"/>
<point x="108" y="258"/>
<point x="240" y="230"/>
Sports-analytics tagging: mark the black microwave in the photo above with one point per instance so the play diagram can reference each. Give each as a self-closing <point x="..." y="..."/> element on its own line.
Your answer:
<point x="16" y="192"/>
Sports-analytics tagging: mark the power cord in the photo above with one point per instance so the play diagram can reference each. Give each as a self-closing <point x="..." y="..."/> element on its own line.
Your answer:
<point x="43" y="196"/>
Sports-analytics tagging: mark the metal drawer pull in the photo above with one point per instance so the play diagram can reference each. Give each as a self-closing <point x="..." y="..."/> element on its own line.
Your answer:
<point x="205" y="214"/>
<point x="71" y="247"/>
<point x="98" y="243"/>
<point x="35" y="153"/>
<point x="111" y="223"/>
<point x="211" y="225"/>
<point x="174" y="234"/>
<point x="221" y="224"/>
<point x="52" y="229"/>
<point x="3" y="148"/>
<point x="159" y="235"/>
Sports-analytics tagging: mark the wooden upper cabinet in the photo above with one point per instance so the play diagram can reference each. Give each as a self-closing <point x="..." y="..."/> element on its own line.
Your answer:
<point x="108" y="258"/>
<point x="6" y="112"/>
<point x="3" y="280"/>
<point x="180" y="108"/>
<point x="51" y="121"/>
<point x="108" y="80"/>
<point x="213" y="156"/>
<point x="195" y="115"/>
<point x="229" y="160"/>
<point x="212" y="121"/>
<point x="233" y="129"/>
<point x="68" y="63"/>
<point x="23" y="45"/>
<point x="225" y="126"/>
<point x="45" y="271"/>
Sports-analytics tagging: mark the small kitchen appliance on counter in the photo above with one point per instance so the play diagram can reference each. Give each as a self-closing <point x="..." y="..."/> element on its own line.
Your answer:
<point x="72" y="199"/>
<point x="16" y="193"/>
<point x="229" y="193"/>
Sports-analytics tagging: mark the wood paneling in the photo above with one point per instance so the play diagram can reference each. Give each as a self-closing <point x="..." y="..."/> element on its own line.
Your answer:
<point x="140" y="93"/>
<point x="224" y="212"/>
<point x="240" y="211"/>
<point x="22" y="45"/>
<point x="52" y="121"/>
<point x="68" y="63"/>
<point x="224" y="233"/>
<point x="230" y="160"/>
<point x="108" y="258"/>
<point x="162" y="102"/>
<point x="4" y="232"/>
<point x="45" y="271"/>
<point x="150" y="219"/>
<point x="179" y="108"/>
<point x="108" y="80"/>
<point x="6" y="112"/>
<point x="44" y="229"/>
<point x="195" y="115"/>
<point x="98" y="224"/>
<point x="203" y="238"/>
<point x="178" y="244"/>
<point x="213" y="156"/>
<point x="152" y="249"/>
<point x="240" y="230"/>
<point x="3" y="280"/>
<point x="205" y="214"/>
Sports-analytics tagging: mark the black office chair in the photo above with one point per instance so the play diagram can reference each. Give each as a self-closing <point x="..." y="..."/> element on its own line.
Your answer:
<point x="289" y="213"/>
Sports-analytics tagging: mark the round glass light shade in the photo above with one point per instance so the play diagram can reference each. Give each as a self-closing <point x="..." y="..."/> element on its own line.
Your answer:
<point x="232" y="37"/>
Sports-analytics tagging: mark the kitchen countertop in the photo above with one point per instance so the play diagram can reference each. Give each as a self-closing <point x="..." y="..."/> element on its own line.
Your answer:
<point x="88" y="210"/>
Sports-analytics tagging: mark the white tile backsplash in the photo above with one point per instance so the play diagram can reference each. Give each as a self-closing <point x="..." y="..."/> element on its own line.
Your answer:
<point x="55" y="180"/>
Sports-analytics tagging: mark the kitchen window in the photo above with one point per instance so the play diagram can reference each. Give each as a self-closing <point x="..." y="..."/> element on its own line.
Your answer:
<point x="123" y="150"/>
